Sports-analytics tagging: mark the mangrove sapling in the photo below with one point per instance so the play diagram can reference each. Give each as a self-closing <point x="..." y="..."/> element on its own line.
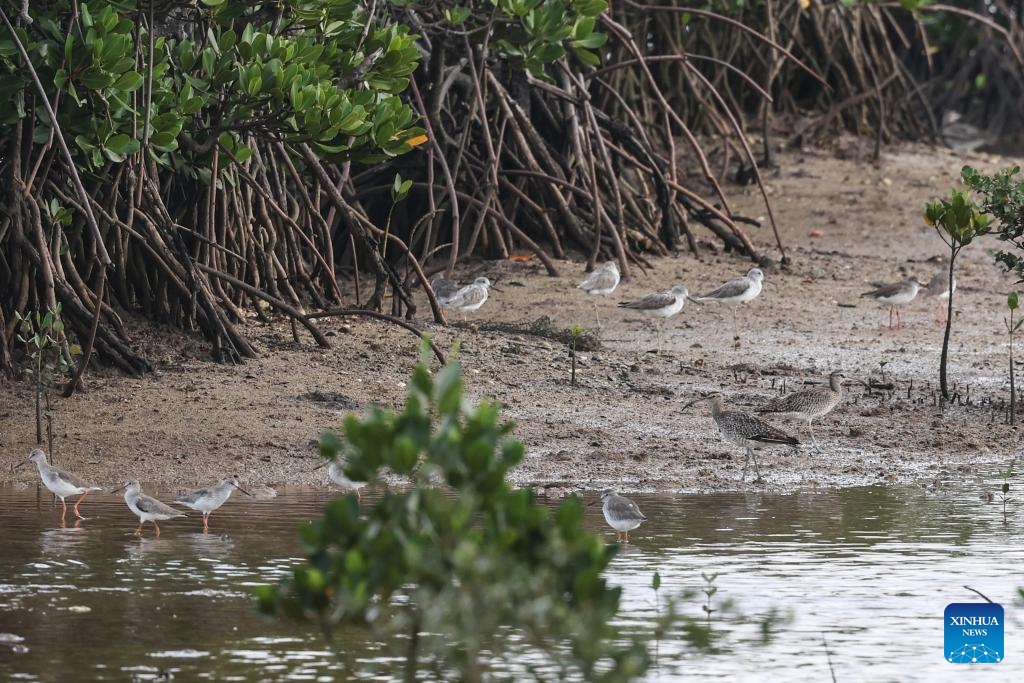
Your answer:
<point x="1012" y="302"/>
<point x="42" y="333"/>
<point x="957" y="220"/>
<point x="575" y="333"/>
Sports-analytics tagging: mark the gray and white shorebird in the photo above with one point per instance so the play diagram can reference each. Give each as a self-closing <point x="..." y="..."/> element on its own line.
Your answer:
<point x="336" y="473"/>
<point x="146" y="508"/>
<point x="747" y="431"/>
<point x="809" y="404"/>
<point x="962" y="136"/>
<point x="469" y="298"/>
<point x="621" y="513"/>
<point x="938" y="288"/>
<point x="208" y="499"/>
<point x="895" y="295"/>
<point x="62" y="484"/>
<point x="444" y="289"/>
<point x="601" y="281"/>
<point x="659" y="305"/>
<point x="738" y="290"/>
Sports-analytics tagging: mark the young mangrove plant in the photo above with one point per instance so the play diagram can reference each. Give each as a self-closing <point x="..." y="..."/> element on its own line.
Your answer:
<point x="957" y="220"/>
<point x="42" y="334"/>
<point x="465" y="579"/>
<point x="1012" y="302"/>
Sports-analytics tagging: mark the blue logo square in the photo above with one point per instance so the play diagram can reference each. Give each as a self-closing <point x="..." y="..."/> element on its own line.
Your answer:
<point x="974" y="633"/>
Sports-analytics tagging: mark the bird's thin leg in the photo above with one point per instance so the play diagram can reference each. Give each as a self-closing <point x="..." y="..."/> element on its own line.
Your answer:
<point x="206" y="522"/>
<point x="77" y="502"/>
<point x="890" y="317"/>
<point x="64" y="512"/>
<point x="138" y="530"/>
<point x="810" y="426"/>
<point x="596" y="316"/>
<point x="157" y="527"/>
<point x="757" y="469"/>
<point x="359" y="495"/>
<point x="735" y="330"/>
<point x="746" y="464"/>
<point x="625" y="536"/>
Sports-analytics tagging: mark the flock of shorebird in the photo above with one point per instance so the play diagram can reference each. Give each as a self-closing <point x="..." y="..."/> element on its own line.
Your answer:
<point x="734" y="426"/>
<point x="148" y="509"/>
<point x="622" y="514"/>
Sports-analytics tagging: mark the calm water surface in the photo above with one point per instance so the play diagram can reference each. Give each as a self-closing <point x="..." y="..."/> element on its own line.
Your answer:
<point x="870" y="570"/>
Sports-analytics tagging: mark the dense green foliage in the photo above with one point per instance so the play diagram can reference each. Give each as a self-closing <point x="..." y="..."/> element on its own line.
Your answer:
<point x="1003" y="199"/>
<point x="473" y="578"/>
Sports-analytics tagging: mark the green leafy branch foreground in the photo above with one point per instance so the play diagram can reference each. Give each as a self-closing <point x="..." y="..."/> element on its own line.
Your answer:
<point x="465" y="577"/>
<point x="460" y="568"/>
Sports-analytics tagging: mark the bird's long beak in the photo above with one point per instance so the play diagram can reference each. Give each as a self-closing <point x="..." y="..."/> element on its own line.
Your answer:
<point x="18" y="465"/>
<point x="241" y="489"/>
<point x="497" y="289"/>
<point x="696" y="401"/>
<point x="593" y="502"/>
<point x="120" y="488"/>
<point x="322" y="465"/>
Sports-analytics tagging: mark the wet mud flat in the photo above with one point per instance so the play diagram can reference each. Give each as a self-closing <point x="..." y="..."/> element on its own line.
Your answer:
<point x="847" y="226"/>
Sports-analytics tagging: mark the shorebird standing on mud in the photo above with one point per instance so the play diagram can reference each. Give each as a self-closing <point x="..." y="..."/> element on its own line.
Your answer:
<point x="602" y="281"/>
<point x="469" y="298"/>
<point x="895" y="295"/>
<point x="745" y="430"/>
<point x="659" y="305"/>
<point x="444" y="289"/>
<point x="62" y="484"/>
<point x="738" y="290"/>
<point x="938" y="288"/>
<point x="809" y="404"/>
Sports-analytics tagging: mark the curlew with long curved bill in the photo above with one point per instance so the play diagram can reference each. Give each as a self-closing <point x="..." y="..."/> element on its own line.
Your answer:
<point x="809" y="404"/>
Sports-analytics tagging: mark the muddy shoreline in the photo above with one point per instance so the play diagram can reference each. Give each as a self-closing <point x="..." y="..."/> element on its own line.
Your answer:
<point x="847" y="224"/>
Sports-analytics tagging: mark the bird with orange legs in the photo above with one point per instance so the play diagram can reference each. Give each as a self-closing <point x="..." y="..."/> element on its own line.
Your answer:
<point x="62" y="484"/>
<point x="146" y="508"/>
<point x="208" y="499"/>
<point x="894" y="296"/>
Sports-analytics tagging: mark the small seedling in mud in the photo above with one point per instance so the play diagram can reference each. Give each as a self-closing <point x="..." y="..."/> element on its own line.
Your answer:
<point x="42" y="333"/>
<point x="957" y="220"/>
<point x="1012" y="302"/>
<point x="575" y="333"/>
<point x="1004" y="494"/>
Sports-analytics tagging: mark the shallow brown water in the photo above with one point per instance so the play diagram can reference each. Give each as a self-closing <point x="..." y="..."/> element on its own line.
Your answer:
<point x="870" y="568"/>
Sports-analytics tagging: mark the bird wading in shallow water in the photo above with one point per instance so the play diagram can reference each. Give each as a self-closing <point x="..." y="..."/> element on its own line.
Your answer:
<point x="208" y="499"/>
<point x="659" y="305"/>
<point x="146" y="508"/>
<point x="894" y="296"/>
<point x="62" y="484"/>
<point x="738" y="290"/>
<point x="621" y="513"/>
<point x="602" y="281"/>
<point x="336" y="473"/>
<point x="809" y="404"/>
